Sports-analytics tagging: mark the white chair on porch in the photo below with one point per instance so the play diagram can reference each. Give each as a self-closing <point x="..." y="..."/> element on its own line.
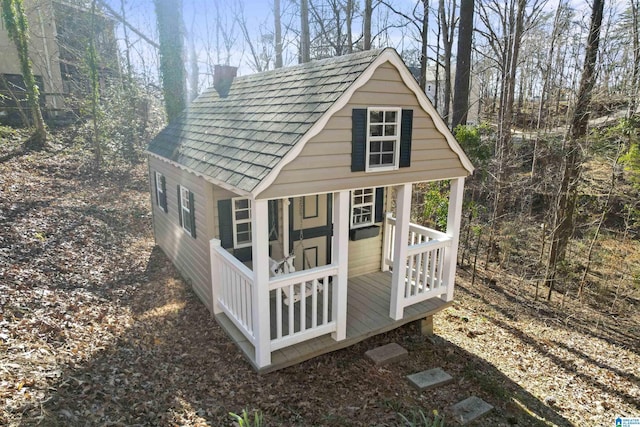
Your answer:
<point x="285" y="266"/>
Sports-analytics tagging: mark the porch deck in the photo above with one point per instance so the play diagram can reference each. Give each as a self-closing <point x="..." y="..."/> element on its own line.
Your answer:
<point x="368" y="302"/>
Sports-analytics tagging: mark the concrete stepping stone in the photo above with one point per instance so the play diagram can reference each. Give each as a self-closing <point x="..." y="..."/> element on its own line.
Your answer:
<point x="429" y="379"/>
<point x="470" y="409"/>
<point x="388" y="353"/>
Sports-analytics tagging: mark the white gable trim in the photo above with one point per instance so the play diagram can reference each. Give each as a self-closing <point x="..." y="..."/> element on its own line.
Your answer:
<point x="205" y="177"/>
<point x="387" y="55"/>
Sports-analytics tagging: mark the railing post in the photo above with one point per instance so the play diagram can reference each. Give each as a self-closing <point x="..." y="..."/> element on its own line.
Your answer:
<point x="401" y="245"/>
<point x="453" y="231"/>
<point x="215" y="276"/>
<point x="386" y="241"/>
<point x="341" y="259"/>
<point x="260" y="302"/>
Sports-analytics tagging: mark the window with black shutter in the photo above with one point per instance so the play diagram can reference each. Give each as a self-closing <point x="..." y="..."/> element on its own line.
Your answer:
<point x="381" y="139"/>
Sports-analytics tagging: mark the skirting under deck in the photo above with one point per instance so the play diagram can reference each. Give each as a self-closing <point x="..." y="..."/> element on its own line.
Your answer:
<point x="368" y="302"/>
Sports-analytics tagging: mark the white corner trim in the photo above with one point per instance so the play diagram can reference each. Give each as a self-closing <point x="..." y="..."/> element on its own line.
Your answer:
<point x="387" y="55"/>
<point x="205" y="177"/>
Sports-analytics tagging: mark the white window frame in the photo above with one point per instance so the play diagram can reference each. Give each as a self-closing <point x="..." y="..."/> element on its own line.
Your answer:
<point x="159" y="191"/>
<point x="185" y="208"/>
<point x="236" y="222"/>
<point x="395" y="139"/>
<point x="355" y="205"/>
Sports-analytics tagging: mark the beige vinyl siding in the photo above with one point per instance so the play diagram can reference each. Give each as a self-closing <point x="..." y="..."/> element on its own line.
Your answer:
<point x="189" y="255"/>
<point x="365" y="255"/>
<point x="324" y="164"/>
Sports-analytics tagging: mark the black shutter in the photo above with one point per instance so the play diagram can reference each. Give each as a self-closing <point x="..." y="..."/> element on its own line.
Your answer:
<point x="225" y="223"/>
<point x="155" y="181"/>
<point x="406" y="128"/>
<point x="379" y="205"/>
<point x="179" y="206"/>
<point x="192" y="213"/>
<point x="273" y="220"/>
<point x="358" y="139"/>
<point x="163" y="198"/>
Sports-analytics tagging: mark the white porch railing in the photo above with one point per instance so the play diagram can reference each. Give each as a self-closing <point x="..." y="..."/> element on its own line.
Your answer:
<point x="301" y="304"/>
<point x="235" y="289"/>
<point x="312" y="315"/>
<point x="425" y="263"/>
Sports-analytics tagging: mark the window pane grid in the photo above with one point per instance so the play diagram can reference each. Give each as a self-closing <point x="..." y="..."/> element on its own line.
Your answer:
<point x="241" y="222"/>
<point x="362" y="207"/>
<point x="383" y="138"/>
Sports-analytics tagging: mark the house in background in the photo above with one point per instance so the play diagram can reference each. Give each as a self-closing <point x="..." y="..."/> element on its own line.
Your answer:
<point x="44" y="55"/>
<point x="58" y="38"/>
<point x="284" y="199"/>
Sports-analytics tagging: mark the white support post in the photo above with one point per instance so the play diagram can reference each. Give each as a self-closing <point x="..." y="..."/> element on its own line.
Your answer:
<point x="285" y="227"/>
<point x="341" y="259"/>
<point x="453" y="231"/>
<point x="401" y="246"/>
<point x="215" y="276"/>
<point x="260" y="302"/>
<point x="386" y="240"/>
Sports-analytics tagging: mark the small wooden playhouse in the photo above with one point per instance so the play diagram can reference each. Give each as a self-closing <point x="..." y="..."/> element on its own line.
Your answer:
<point x="284" y="199"/>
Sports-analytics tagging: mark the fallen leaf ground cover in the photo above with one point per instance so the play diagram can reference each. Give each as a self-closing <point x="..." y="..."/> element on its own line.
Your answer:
<point x="97" y="328"/>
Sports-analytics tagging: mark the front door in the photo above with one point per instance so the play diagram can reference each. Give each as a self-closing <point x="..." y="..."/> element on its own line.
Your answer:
<point x="310" y="230"/>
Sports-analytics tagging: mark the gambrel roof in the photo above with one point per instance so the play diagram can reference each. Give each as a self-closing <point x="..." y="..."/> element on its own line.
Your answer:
<point x="242" y="140"/>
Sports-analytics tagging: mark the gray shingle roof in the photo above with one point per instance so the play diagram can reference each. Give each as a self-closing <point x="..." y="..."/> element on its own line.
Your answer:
<point x="241" y="138"/>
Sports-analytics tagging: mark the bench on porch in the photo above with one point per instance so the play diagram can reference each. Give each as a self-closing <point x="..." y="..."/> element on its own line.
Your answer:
<point x="285" y="266"/>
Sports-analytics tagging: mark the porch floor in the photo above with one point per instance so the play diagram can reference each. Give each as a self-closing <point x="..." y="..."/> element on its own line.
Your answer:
<point x="368" y="301"/>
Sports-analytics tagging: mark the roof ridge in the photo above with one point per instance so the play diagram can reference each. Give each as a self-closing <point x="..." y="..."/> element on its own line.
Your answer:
<point x="315" y="63"/>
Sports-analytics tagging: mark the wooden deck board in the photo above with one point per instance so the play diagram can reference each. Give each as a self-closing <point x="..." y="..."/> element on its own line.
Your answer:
<point x="368" y="299"/>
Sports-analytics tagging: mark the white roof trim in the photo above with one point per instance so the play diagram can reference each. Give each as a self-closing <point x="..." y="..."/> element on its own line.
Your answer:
<point x="205" y="177"/>
<point x="387" y="55"/>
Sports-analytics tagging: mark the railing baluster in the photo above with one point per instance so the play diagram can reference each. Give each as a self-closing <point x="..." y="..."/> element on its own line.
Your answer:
<point x="291" y="329"/>
<point x="279" y="313"/>
<point x="440" y="266"/>
<point x="303" y="307"/>
<point x="325" y="300"/>
<point x="425" y="267"/>
<point x="314" y="304"/>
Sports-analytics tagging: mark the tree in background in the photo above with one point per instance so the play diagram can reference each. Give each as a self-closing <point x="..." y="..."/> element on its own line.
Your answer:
<point x="563" y="223"/>
<point x="172" y="70"/>
<point x="305" y="37"/>
<point x="15" y="20"/>
<point x="277" y="23"/>
<point x="447" y="20"/>
<point x="94" y="79"/>
<point x="463" y="64"/>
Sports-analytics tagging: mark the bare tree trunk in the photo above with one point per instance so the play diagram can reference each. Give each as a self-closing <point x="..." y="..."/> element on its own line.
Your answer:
<point x="635" y="80"/>
<point x="171" y="36"/>
<point x="92" y="62"/>
<point x="305" y="38"/>
<point x="423" y="49"/>
<point x="368" y="11"/>
<point x="127" y="41"/>
<point x="463" y="64"/>
<point x="194" y="71"/>
<point x="349" y="18"/>
<point x="447" y="25"/>
<point x="568" y="193"/>
<point x="546" y="77"/>
<point x="278" y="32"/>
